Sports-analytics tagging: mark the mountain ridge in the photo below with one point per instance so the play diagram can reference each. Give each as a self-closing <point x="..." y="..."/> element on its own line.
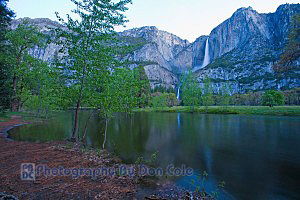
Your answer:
<point x="246" y="45"/>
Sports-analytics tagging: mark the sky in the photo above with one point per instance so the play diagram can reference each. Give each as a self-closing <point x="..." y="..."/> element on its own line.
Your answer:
<point x="187" y="19"/>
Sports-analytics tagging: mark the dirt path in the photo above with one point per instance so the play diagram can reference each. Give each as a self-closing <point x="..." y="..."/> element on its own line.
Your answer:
<point x="14" y="153"/>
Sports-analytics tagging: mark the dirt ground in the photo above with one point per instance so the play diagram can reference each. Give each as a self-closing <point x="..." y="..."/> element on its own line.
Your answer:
<point x="14" y="153"/>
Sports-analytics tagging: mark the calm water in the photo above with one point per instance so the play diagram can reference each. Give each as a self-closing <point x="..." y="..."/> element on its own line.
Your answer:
<point x="257" y="156"/>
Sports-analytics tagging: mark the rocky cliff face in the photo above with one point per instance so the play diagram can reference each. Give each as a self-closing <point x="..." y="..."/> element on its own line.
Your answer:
<point x="158" y="55"/>
<point x="242" y="51"/>
<point x="245" y="47"/>
<point x="44" y="25"/>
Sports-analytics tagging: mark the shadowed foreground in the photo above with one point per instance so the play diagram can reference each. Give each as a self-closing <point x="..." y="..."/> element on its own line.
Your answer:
<point x="13" y="154"/>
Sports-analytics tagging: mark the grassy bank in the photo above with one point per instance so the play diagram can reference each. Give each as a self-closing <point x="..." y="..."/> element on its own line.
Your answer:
<point x="5" y="116"/>
<point x="247" y="110"/>
<point x="27" y="116"/>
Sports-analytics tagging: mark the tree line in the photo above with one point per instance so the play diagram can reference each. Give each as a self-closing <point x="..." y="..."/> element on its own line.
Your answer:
<point x="194" y="93"/>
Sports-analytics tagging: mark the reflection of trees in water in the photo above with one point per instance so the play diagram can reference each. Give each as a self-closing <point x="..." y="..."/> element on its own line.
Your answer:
<point x="250" y="153"/>
<point x="127" y="135"/>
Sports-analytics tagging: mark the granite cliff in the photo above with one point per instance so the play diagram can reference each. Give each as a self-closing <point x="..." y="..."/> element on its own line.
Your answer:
<point x="242" y="51"/>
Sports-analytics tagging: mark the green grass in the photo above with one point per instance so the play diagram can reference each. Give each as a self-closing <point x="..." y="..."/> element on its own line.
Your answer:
<point x="246" y="110"/>
<point x="5" y="116"/>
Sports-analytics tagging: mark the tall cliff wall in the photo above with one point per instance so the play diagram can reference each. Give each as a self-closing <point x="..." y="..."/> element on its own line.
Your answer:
<point x="242" y="51"/>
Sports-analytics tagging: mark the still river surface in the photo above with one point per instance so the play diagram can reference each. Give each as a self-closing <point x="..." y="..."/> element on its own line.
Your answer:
<point x="257" y="156"/>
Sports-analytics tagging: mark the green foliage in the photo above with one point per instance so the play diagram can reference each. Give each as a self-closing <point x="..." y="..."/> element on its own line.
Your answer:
<point x="171" y="99"/>
<point x="5" y="90"/>
<point x="272" y="98"/>
<point x="164" y="100"/>
<point x="249" y="99"/>
<point x="144" y="87"/>
<point x="200" y="187"/>
<point x="159" y="100"/>
<point x="24" y="70"/>
<point x="131" y="44"/>
<point x="119" y="91"/>
<point x="292" y="97"/>
<point x="191" y="92"/>
<point x="152" y="161"/>
<point x="222" y="62"/>
<point x="245" y="110"/>
<point x="225" y="93"/>
<point x="207" y="97"/>
<point x="163" y="89"/>
<point x="90" y="48"/>
<point x="6" y="16"/>
<point x="44" y="94"/>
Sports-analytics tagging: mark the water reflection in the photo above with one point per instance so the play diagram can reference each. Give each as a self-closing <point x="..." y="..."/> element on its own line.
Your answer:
<point x="257" y="156"/>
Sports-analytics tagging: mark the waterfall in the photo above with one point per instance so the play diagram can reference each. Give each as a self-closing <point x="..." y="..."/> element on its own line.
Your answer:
<point x="206" y="60"/>
<point x="206" y="55"/>
<point x="178" y="93"/>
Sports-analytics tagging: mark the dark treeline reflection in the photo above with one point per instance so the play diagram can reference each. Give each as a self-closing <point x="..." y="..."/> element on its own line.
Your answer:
<point x="257" y="156"/>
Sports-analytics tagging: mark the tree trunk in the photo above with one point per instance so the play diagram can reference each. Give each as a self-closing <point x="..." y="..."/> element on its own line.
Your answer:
<point x="14" y="106"/>
<point x="104" y="141"/>
<point x="85" y="127"/>
<point x="74" y="133"/>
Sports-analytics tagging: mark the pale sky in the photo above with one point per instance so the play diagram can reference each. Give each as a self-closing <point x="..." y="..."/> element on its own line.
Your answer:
<point x="187" y="19"/>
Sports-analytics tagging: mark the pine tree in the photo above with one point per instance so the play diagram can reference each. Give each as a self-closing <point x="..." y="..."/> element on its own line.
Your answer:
<point x="6" y="16"/>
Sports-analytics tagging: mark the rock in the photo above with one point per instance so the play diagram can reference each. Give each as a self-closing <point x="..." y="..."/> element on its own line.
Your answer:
<point x="242" y="51"/>
<point x="4" y="196"/>
<point x="245" y="47"/>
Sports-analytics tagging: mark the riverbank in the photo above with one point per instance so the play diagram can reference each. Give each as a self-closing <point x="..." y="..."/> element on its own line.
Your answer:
<point x="245" y="110"/>
<point x="68" y="155"/>
<point x="55" y="154"/>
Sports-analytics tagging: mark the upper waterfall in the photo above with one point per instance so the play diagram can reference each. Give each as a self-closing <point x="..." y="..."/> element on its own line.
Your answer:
<point x="206" y="59"/>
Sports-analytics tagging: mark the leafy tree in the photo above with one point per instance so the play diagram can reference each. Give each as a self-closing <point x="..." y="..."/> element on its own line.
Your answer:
<point x="207" y="96"/>
<point x="158" y="100"/>
<point x="21" y="63"/>
<point x="191" y="92"/>
<point x="6" y="16"/>
<point x="89" y="46"/>
<point x="272" y="98"/>
<point x="172" y="100"/>
<point x="106" y="101"/>
<point x="164" y="100"/>
<point x="118" y="92"/>
<point x="126" y="86"/>
<point x="42" y="91"/>
<point x="145" y="89"/>
<point x="292" y="49"/>
<point x="292" y="97"/>
<point x="225" y="94"/>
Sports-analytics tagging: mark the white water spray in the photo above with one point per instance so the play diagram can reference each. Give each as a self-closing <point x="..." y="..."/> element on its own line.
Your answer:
<point x="178" y="93"/>
<point x="206" y="55"/>
<point x="206" y="60"/>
